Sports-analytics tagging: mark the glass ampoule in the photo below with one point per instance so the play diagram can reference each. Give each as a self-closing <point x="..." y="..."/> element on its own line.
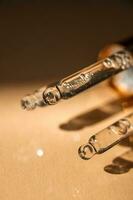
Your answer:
<point x="107" y="138"/>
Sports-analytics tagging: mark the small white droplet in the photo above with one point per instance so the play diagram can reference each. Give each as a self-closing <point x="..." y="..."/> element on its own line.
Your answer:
<point x="76" y="137"/>
<point x="40" y="152"/>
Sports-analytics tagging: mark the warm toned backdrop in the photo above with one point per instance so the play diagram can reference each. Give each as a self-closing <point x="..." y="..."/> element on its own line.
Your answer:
<point x="41" y="42"/>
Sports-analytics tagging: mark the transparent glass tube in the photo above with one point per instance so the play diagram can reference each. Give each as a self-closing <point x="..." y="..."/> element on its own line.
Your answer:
<point x="107" y="138"/>
<point x="80" y="81"/>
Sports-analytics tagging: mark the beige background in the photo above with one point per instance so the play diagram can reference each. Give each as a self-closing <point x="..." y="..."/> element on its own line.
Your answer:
<point x="59" y="173"/>
<point x="39" y="44"/>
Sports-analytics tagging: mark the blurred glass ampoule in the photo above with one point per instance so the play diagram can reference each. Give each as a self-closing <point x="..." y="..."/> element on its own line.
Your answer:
<point x="107" y="138"/>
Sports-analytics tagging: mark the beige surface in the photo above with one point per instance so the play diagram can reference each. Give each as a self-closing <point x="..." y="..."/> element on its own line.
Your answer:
<point x="43" y="42"/>
<point x="58" y="173"/>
